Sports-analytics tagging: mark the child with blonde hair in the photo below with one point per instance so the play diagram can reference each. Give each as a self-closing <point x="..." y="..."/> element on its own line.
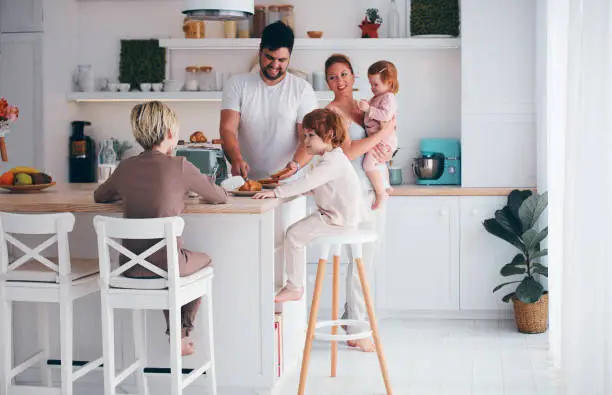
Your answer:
<point x="155" y="184"/>
<point x="336" y="189"/>
<point x="381" y="108"/>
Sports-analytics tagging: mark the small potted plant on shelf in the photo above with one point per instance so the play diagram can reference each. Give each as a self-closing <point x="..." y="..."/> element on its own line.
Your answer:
<point x="517" y="224"/>
<point x="370" y="23"/>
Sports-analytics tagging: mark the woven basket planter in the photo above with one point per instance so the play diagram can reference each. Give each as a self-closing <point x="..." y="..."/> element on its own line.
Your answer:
<point x="531" y="317"/>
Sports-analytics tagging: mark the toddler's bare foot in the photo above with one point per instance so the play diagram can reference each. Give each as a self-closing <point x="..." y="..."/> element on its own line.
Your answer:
<point x="187" y="346"/>
<point x="365" y="345"/>
<point x="288" y="294"/>
<point x="379" y="200"/>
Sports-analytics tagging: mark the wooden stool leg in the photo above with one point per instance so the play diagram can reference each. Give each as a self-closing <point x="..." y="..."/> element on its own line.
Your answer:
<point x="6" y="314"/>
<point x="311" y="324"/>
<point x="334" y="344"/>
<point x="373" y="324"/>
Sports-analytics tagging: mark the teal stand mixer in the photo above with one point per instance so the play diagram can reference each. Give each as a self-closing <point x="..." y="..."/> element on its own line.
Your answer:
<point x="439" y="163"/>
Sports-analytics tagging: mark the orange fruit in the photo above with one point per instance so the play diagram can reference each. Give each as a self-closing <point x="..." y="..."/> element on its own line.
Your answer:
<point x="7" y="178"/>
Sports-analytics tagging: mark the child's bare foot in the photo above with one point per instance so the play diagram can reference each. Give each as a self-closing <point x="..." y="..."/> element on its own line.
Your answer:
<point x="379" y="200"/>
<point x="288" y="294"/>
<point x="365" y="345"/>
<point x="187" y="346"/>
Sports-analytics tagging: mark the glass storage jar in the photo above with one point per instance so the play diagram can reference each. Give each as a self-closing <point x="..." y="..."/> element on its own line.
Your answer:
<point x="193" y="28"/>
<point x="259" y="20"/>
<point x="244" y="28"/>
<point x="230" y="29"/>
<point x="286" y="14"/>
<point x="208" y="79"/>
<point x="273" y="14"/>
<point x="191" y="78"/>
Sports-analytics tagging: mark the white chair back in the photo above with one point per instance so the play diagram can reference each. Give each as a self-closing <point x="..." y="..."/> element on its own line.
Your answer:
<point x="59" y="225"/>
<point x="167" y="229"/>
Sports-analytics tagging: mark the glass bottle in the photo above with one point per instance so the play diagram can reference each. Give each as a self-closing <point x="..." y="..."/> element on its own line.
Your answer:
<point x="107" y="160"/>
<point x="393" y="20"/>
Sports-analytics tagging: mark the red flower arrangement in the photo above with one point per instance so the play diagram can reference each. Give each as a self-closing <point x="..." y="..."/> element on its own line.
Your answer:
<point x="8" y="114"/>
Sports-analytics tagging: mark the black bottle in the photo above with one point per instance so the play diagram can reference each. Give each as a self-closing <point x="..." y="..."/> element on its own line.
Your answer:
<point x="82" y="151"/>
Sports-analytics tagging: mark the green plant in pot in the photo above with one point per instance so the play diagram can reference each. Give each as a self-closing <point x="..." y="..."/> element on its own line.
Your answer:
<point x="517" y="224"/>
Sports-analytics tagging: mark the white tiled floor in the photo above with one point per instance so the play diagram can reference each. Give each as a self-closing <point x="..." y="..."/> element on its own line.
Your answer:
<point x="439" y="357"/>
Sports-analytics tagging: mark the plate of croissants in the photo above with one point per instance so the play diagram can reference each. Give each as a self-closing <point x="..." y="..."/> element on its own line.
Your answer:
<point x="249" y="188"/>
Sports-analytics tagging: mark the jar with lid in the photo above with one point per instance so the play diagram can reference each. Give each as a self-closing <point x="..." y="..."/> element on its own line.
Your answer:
<point x="191" y="78"/>
<point x="230" y="28"/>
<point x="208" y="79"/>
<point x="193" y="28"/>
<point x="273" y="14"/>
<point x="259" y="20"/>
<point x="286" y="15"/>
<point x="244" y="28"/>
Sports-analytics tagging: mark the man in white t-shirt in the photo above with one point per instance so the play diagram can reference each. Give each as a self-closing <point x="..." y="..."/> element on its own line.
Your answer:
<point x="261" y="114"/>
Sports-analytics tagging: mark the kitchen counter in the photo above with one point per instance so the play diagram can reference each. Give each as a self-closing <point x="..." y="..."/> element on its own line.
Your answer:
<point x="244" y="238"/>
<point x="78" y="198"/>
<point x="450" y="190"/>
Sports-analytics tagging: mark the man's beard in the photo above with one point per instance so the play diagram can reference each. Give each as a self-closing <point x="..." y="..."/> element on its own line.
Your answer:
<point x="264" y="71"/>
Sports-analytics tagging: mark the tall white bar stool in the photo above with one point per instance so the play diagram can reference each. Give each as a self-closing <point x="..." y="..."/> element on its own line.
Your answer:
<point x="168" y="292"/>
<point x="35" y="278"/>
<point x="324" y="244"/>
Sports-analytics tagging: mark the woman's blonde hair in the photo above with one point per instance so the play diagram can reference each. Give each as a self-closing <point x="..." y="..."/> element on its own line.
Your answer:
<point x="388" y="74"/>
<point x="327" y="124"/>
<point x="151" y="122"/>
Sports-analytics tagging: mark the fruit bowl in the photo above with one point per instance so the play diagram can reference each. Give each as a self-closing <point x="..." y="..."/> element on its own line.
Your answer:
<point x="27" y="188"/>
<point x="314" y="33"/>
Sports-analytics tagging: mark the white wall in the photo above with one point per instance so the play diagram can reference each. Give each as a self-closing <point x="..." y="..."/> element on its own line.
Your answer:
<point x="429" y="95"/>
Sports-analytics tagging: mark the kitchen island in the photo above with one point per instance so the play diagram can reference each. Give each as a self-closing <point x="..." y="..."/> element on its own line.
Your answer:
<point x="244" y="239"/>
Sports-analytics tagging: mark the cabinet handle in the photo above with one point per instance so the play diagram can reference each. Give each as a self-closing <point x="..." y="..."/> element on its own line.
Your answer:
<point x="475" y="212"/>
<point x="443" y="213"/>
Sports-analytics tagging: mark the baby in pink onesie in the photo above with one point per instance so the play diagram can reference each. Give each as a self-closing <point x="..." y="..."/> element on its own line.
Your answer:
<point x="381" y="108"/>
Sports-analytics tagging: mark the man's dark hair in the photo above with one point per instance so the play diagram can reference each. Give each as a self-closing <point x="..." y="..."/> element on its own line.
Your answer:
<point x="277" y="35"/>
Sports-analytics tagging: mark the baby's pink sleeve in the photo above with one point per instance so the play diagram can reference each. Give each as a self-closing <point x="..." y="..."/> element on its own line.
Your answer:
<point x="383" y="108"/>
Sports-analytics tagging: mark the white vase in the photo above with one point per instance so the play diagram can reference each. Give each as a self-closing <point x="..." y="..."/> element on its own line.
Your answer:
<point x="85" y="78"/>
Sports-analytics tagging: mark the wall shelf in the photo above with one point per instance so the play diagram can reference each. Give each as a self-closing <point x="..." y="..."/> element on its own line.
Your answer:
<point x="335" y="44"/>
<point x="85" y="97"/>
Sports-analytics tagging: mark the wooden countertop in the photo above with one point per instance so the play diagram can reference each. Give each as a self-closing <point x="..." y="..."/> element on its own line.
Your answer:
<point x="450" y="190"/>
<point x="78" y="198"/>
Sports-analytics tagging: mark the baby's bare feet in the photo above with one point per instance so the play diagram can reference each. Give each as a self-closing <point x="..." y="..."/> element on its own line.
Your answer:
<point x="288" y="294"/>
<point x="187" y="346"/>
<point x="365" y="345"/>
<point x="379" y="200"/>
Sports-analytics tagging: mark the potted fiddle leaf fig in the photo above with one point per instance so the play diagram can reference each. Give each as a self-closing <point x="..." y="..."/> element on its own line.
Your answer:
<point x="517" y="223"/>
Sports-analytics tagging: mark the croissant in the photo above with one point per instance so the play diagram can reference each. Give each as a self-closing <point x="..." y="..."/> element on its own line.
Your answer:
<point x="251" y="186"/>
<point x="197" y="137"/>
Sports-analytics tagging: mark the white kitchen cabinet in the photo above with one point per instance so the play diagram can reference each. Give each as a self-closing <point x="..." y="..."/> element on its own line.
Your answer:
<point x="421" y="267"/>
<point x="21" y="16"/>
<point x="21" y="85"/>
<point x="498" y="93"/>
<point x="482" y="255"/>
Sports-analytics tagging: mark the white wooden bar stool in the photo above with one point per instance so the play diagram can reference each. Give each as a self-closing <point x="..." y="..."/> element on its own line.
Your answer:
<point x="35" y="278"/>
<point x="324" y="244"/>
<point x="168" y="292"/>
